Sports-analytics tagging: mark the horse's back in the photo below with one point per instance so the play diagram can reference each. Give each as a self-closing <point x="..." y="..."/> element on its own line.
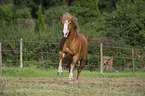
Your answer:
<point x="84" y="39"/>
<point x="84" y="44"/>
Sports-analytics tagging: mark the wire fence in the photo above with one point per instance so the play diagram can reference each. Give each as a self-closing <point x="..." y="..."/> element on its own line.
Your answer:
<point x="45" y="55"/>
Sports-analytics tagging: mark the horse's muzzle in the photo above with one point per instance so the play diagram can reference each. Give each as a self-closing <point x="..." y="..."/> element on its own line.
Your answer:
<point x="65" y="35"/>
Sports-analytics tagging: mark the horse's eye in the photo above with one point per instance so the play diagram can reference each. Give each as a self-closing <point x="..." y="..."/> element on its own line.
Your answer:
<point x="70" y="23"/>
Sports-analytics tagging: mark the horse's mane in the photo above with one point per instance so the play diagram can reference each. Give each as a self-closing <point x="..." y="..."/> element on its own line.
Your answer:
<point x="74" y="20"/>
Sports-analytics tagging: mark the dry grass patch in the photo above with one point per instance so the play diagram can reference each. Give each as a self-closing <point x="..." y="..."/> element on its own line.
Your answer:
<point x="52" y="86"/>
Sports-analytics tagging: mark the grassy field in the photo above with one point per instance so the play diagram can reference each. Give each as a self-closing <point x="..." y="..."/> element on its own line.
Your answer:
<point x="45" y="82"/>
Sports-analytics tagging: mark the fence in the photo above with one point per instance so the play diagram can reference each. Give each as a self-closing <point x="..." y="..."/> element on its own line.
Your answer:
<point x="44" y="54"/>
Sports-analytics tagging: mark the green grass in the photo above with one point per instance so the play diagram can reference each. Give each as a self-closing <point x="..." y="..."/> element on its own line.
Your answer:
<point x="31" y="72"/>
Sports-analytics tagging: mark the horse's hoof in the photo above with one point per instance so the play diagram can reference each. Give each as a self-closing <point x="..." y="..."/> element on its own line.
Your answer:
<point x="71" y="82"/>
<point x="59" y="73"/>
<point x="76" y="81"/>
<point x="70" y="78"/>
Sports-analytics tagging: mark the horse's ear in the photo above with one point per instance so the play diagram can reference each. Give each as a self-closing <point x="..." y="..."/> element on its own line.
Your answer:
<point x="74" y="20"/>
<point x="72" y="17"/>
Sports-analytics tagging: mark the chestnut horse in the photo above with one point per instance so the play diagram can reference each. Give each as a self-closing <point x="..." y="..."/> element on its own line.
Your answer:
<point x="73" y="46"/>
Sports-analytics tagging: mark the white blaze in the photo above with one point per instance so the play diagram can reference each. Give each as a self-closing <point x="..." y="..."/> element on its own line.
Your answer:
<point x="65" y="29"/>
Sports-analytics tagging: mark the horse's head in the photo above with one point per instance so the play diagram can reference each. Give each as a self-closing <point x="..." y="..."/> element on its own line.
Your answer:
<point x="68" y="22"/>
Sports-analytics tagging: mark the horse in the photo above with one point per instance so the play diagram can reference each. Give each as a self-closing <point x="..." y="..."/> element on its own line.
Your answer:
<point x="73" y="45"/>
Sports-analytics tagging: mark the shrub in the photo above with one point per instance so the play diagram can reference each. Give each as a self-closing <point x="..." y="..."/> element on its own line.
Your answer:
<point x="10" y="14"/>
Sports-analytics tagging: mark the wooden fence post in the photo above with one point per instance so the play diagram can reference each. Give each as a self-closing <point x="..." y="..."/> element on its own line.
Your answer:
<point x="0" y="61"/>
<point x="21" y="60"/>
<point x="133" y="62"/>
<point x="101" y="64"/>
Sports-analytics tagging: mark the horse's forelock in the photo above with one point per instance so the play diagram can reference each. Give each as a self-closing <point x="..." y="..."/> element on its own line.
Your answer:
<point x="74" y="20"/>
<point x="66" y="16"/>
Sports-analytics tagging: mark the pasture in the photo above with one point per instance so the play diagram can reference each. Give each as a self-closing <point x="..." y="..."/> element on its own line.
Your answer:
<point x="45" y="82"/>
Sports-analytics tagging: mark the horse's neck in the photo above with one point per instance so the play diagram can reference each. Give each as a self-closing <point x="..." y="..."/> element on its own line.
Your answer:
<point x="73" y="35"/>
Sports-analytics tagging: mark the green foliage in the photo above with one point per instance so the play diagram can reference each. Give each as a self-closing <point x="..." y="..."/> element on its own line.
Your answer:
<point x="6" y="12"/>
<point x="91" y="4"/>
<point x="131" y="19"/>
<point x="127" y="22"/>
<point x="107" y="5"/>
<point x="10" y="14"/>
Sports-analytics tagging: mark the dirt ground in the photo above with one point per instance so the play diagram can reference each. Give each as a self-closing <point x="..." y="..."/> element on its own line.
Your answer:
<point x="87" y="86"/>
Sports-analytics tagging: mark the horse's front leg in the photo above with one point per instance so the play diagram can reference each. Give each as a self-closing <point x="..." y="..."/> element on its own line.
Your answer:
<point x="71" y="71"/>
<point x="72" y="66"/>
<point x="61" y="56"/>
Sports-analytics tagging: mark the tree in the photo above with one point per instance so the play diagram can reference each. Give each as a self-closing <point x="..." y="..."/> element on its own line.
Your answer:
<point x="40" y="21"/>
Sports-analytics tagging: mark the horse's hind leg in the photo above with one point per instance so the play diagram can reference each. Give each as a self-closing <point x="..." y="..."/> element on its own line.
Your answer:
<point x="69" y="63"/>
<point x="80" y="68"/>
